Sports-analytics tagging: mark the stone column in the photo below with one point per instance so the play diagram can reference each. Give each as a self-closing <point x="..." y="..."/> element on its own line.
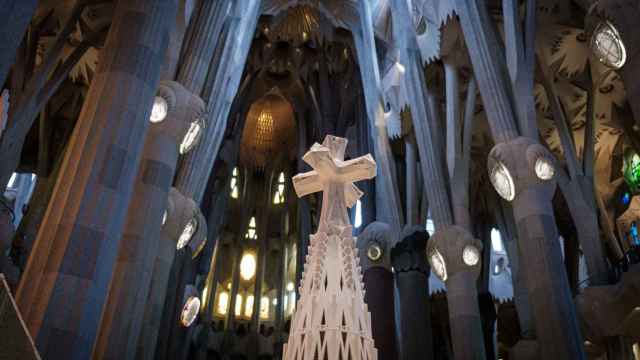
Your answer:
<point x="374" y="248"/>
<point x="412" y="280"/>
<point x="118" y="335"/>
<point x="195" y="169"/>
<point x="411" y="194"/>
<point x="15" y="16"/>
<point x="180" y="211"/>
<point x="541" y="262"/>
<point x="455" y="258"/>
<point x="66" y="280"/>
<point x="199" y="49"/>
<point x="513" y="160"/>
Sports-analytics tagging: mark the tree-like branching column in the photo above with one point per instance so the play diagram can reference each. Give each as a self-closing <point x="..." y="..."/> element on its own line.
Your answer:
<point x="331" y="320"/>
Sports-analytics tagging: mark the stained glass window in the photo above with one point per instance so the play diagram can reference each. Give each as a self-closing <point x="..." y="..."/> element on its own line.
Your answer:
<point x="631" y="170"/>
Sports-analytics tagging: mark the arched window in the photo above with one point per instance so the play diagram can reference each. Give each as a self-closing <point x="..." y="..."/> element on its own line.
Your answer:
<point x="278" y="196"/>
<point x="248" y="307"/>
<point x="431" y="227"/>
<point x="264" y="308"/>
<point x="234" y="183"/>
<point x="223" y="303"/>
<point x="238" y="306"/>
<point x="251" y="231"/>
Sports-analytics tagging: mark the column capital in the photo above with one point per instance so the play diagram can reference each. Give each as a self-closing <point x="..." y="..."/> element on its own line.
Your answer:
<point x="374" y="246"/>
<point x="511" y="176"/>
<point x="409" y="253"/>
<point x="453" y="250"/>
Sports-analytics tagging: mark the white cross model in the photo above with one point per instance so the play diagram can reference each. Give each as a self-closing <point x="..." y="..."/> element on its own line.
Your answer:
<point x="334" y="177"/>
<point x="331" y="320"/>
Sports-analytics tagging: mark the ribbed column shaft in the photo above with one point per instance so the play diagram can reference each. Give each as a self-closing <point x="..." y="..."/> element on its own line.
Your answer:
<point x="464" y="317"/>
<point x="15" y="16"/>
<point x="195" y="168"/>
<point x="66" y="280"/>
<point x="199" y="49"/>
<point x="487" y="60"/>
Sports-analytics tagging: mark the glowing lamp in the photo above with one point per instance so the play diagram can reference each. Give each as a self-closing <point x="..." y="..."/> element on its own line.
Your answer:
<point x="438" y="265"/>
<point x="190" y="311"/>
<point x="544" y="169"/>
<point x="187" y="233"/>
<point x="159" y="110"/>
<point x="191" y="137"/>
<point x="470" y="255"/>
<point x="502" y="181"/>
<point x="374" y="252"/>
<point x="607" y="46"/>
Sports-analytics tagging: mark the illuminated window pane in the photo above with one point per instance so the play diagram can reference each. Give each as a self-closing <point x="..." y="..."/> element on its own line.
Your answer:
<point x="278" y="196"/>
<point x="238" y="307"/>
<point x="264" y="308"/>
<point x="223" y="303"/>
<point x="431" y="227"/>
<point x="292" y="302"/>
<point x="251" y="231"/>
<point x="357" y="221"/>
<point x="631" y="170"/>
<point x="234" y="183"/>
<point x="496" y="241"/>
<point x="248" y="306"/>
<point x="248" y="266"/>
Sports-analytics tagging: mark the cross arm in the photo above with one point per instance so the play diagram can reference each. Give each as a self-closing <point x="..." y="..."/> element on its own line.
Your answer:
<point x="307" y="183"/>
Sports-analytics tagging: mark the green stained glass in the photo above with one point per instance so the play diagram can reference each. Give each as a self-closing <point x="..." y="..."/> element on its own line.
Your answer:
<point x="631" y="170"/>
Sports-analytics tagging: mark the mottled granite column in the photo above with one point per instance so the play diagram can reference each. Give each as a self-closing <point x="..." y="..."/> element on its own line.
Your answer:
<point x="15" y="16"/>
<point x="374" y="247"/>
<point x="409" y="260"/>
<point x="66" y="280"/>
<point x="118" y="335"/>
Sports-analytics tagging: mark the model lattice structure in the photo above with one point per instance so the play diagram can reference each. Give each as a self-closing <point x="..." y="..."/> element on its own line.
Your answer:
<point x="331" y="320"/>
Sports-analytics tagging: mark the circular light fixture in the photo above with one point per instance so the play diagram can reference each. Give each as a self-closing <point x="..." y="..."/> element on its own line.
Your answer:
<point x="290" y="287"/>
<point x="470" y="255"/>
<point x="502" y="181"/>
<point x="159" y="110"/>
<point x="438" y="265"/>
<point x="191" y="137"/>
<point x="607" y="46"/>
<point x="544" y="169"/>
<point x="374" y="252"/>
<point x="248" y="266"/>
<point x="164" y="217"/>
<point x="190" y="311"/>
<point x="187" y="233"/>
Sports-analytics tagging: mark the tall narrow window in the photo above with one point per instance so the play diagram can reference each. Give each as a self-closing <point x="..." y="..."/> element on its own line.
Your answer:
<point x="223" y="303"/>
<point x="264" y="308"/>
<point x="278" y="196"/>
<point x="496" y="241"/>
<point x="248" y="307"/>
<point x="357" y="221"/>
<point x="251" y="231"/>
<point x="238" y="306"/>
<point x="431" y="227"/>
<point x="234" y="183"/>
